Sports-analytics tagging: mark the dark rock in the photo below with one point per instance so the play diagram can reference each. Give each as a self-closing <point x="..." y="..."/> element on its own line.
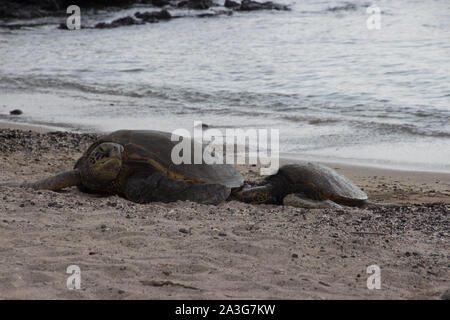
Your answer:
<point x="16" y="112"/>
<point x="148" y="17"/>
<point x="196" y="4"/>
<point x="210" y="15"/>
<point x="231" y="4"/>
<point x="164" y="15"/>
<point x="102" y="25"/>
<point x="154" y="16"/>
<point x="28" y="9"/>
<point x="160" y="3"/>
<point x="18" y="10"/>
<point x="249" y="5"/>
<point x="125" y="21"/>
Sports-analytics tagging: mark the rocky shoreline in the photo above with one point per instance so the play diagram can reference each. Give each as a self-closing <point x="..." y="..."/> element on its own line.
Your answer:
<point x="29" y="9"/>
<point x="164" y="15"/>
<point x="37" y="9"/>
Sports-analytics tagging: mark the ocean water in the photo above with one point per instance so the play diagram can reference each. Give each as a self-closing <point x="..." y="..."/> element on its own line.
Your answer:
<point x="334" y="89"/>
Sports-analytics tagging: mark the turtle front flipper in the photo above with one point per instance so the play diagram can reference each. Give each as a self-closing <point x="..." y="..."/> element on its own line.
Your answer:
<point x="160" y="188"/>
<point x="256" y="195"/>
<point x="271" y="191"/>
<point x="60" y="181"/>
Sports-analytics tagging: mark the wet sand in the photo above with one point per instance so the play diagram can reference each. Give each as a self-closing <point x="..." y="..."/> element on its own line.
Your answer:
<point x="186" y="250"/>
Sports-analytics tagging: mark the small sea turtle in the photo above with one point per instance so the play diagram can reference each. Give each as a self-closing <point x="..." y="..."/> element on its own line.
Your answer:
<point x="137" y="165"/>
<point x="305" y="184"/>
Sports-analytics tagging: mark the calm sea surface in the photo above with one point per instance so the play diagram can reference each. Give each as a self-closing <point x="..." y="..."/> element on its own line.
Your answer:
<point x="335" y="90"/>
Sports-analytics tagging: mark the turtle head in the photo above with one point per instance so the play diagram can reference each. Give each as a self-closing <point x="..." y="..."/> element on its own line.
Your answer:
<point x="105" y="161"/>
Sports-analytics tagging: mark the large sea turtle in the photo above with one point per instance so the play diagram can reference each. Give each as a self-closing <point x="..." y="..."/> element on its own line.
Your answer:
<point x="137" y="165"/>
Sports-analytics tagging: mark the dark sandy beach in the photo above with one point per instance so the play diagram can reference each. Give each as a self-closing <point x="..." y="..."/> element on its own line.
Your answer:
<point x="186" y="250"/>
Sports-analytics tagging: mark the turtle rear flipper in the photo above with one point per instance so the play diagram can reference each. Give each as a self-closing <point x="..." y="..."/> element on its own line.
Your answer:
<point x="302" y="201"/>
<point x="60" y="181"/>
<point x="371" y="204"/>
